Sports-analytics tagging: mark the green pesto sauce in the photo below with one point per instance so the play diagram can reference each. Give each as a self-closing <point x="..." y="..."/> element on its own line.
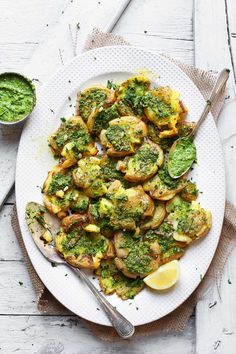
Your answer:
<point x="59" y="182"/>
<point x="77" y="242"/>
<point x="143" y="161"/>
<point x="153" y="134"/>
<point x="181" y="157"/>
<point x="122" y="214"/>
<point x="166" y="179"/>
<point x="113" y="280"/>
<point x="104" y="117"/>
<point x="119" y="137"/>
<point x="73" y="133"/>
<point x="178" y="204"/>
<point x="164" y="236"/>
<point x="17" y="97"/>
<point x="79" y="202"/>
<point x="127" y="240"/>
<point x="90" y="100"/>
<point x="159" y="107"/>
<point x="109" y="171"/>
<point x="139" y="260"/>
<point x="189" y="190"/>
<point x="133" y="95"/>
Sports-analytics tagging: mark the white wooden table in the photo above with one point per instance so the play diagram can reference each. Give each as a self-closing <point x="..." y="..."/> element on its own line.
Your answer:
<point x="203" y="33"/>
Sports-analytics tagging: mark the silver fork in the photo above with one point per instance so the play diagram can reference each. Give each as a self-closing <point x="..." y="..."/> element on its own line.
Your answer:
<point x="123" y="327"/>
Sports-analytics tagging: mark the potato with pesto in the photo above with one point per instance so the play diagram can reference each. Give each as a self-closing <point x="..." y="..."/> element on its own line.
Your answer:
<point x="154" y="221"/>
<point x="112" y="281"/>
<point x="153" y="134"/>
<point x="162" y="186"/>
<point x="189" y="220"/>
<point x="73" y="200"/>
<point x="93" y="97"/>
<point x="58" y="181"/>
<point x="122" y="208"/>
<point x="72" y="141"/>
<point x="122" y="135"/>
<point x="88" y="177"/>
<point x="84" y="250"/>
<point x="162" y="106"/>
<point x="170" y="249"/>
<point x="136" y="258"/>
<point x="130" y="206"/>
<point x="100" y="117"/>
<point x="57" y="188"/>
<point x="143" y="164"/>
<point x="57" y="205"/>
<point x="130" y="95"/>
<point x="189" y="192"/>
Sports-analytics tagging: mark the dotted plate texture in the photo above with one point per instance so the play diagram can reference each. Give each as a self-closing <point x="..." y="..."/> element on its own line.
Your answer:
<point x="34" y="161"/>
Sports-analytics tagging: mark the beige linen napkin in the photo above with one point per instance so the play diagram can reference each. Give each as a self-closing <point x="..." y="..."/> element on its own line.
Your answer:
<point x="177" y="320"/>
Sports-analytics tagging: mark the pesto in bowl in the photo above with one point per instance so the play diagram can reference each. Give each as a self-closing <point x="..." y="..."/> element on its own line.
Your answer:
<point x="17" y="98"/>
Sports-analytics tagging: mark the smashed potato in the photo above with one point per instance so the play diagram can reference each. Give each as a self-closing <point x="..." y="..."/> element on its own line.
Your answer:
<point x="130" y="95"/>
<point x="100" y="118"/>
<point x="82" y="250"/>
<point x="136" y="258"/>
<point x="164" y="109"/>
<point x="189" y="192"/>
<point x="122" y="135"/>
<point x="158" y="216"/>
<point x="88" y="176"/>
<point x="112" y="281"/>
<point x="58" y="181"/>
<point x="72" y="141"/>
<point x="162" y="186"/>
<point x="92" y="98"/>
<point x="170" y="249"/>
<point x="189" y="220"/>
<point x="123" y="208"/>
<point x="143" y="164"/>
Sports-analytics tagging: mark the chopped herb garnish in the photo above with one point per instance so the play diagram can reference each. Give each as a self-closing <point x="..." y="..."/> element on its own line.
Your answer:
<point x="212" y="304"/>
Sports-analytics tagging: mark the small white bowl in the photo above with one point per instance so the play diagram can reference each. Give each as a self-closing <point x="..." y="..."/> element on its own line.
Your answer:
<point x="33" y="90"/>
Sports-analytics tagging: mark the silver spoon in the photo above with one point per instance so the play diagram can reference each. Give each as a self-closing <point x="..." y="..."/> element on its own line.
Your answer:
<point x="186" y="157"/>
<point x="38" y="226"/>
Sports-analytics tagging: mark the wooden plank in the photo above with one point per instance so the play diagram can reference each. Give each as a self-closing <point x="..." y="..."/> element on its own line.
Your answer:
<point x="159" y="33"/>
<point x="68" y="335"/>
<point x="9" y="250"/>
<point x="23" y="25"/>
<point x="216" y="326"/>
<point x="16" y="290"/>
<point x="231" y="31"/>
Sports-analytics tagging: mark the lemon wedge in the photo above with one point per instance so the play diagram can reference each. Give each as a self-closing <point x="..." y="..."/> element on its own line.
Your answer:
<point x="164" y="277"/>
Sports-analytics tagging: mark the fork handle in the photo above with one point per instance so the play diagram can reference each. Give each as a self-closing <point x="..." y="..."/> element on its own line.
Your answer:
<point x="123" y="327"/>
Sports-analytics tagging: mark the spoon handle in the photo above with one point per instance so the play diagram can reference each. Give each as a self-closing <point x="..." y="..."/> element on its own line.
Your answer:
<point x="124" y="328"/>
<point x="220" y="83"/>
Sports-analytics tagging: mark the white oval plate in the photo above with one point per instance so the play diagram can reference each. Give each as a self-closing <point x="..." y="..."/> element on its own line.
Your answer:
<point x="34" y="160"/>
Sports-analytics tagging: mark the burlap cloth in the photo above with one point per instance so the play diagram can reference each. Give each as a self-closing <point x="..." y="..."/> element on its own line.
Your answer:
<point x="178" y="319"/>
